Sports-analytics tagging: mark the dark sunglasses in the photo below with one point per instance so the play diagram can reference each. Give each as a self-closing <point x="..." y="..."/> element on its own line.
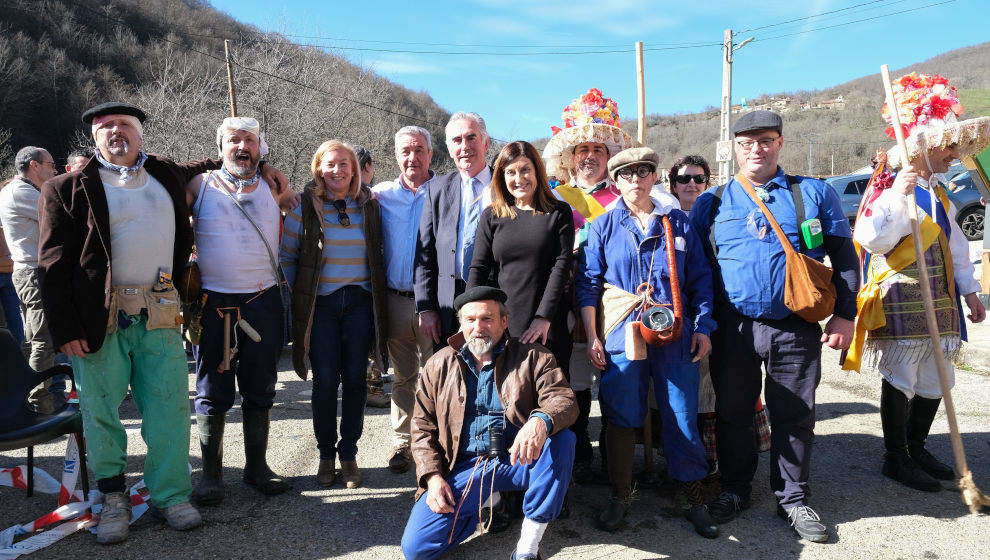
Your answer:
<point x="640" y="171"/>
<point x="342" y="217"/>
<point x="685" y="179"/>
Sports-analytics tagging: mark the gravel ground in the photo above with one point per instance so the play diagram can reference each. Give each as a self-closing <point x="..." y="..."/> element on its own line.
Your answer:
<point x="868" y="515"/>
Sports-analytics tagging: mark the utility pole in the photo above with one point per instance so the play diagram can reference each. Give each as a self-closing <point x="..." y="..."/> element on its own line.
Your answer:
<point x="723" y="150"/>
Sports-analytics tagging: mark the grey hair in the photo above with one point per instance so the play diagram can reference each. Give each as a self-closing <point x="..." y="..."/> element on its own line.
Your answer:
<point x="24" y="157"/>
<point x="503" y="311"/>
<point x="469" y="116"/>
<point x="412" y="130"/>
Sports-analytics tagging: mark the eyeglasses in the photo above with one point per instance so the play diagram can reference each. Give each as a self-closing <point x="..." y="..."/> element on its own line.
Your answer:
<point x="640" y="171"/>
<point x="685" y="179"/>
<point x="342" y="217"/>
<point x="764" y="143"/>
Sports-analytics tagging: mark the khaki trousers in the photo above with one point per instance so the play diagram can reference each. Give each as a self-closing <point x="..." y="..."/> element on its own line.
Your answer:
<point x="408" y="349"/>
<point x="36" y="335"/>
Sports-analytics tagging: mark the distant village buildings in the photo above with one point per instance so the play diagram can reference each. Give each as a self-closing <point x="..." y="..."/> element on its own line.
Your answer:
<point x="785" y="104"/>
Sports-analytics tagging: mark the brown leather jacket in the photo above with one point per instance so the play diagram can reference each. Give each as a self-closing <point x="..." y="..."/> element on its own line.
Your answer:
<point x="528" y="380"/>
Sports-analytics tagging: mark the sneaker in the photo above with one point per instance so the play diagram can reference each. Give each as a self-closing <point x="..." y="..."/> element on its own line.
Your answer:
<point x="806" y="522"/>
<point x="378" y="398"/>
<point x="182" y="517"/>
<point x="727" y="506"/>
<point x="114" y="518"/>
<point x="526" y="556"/>
<point x="401" y="459"/>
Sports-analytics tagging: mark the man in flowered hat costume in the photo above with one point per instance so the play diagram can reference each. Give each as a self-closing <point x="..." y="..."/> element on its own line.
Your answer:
<point x="576" y="159"/>
<point x="891" y="329"/>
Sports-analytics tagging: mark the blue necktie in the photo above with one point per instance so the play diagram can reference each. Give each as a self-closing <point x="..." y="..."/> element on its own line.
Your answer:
<point x="470" y="228"/>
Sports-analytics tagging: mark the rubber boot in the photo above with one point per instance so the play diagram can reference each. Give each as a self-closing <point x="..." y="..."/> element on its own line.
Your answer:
<point x="256" y="471"/>
<point x="621" y="443"/>
<point x="209" y="491"/>
<point x="584" y="454"/>
<point x="696" y="512"/>
<point x="922" y="414"/>
<point x="897" y="463"/>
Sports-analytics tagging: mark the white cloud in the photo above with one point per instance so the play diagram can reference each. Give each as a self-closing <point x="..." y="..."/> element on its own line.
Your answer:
<point x="404" y="65"/>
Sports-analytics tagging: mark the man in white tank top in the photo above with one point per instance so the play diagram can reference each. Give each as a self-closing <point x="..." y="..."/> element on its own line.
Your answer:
<point x="236" y="218"/>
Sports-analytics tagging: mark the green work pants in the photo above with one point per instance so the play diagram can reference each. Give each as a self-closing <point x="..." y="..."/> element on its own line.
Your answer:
<point x="153" y="363"/>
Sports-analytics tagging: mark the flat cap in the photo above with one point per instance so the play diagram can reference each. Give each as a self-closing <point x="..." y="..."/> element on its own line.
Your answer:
<point x="479" y="293"/>
<point x="112" y="108"/>
<point x="632" y="156"/>
<point x="758" y="120"/>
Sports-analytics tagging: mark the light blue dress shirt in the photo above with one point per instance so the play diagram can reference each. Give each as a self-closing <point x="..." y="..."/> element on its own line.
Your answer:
<point x="472" y="203"/>
<point x="401" y="210"/>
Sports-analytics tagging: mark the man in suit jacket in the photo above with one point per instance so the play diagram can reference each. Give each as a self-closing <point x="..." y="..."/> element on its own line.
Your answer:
<point x="450" y="218"/>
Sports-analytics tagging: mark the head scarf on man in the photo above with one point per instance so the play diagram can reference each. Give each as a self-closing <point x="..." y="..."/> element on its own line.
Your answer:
<point x="247" y="124"/>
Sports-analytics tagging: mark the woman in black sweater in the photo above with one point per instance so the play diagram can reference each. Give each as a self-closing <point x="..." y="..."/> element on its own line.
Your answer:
<point x="526" y="238"/>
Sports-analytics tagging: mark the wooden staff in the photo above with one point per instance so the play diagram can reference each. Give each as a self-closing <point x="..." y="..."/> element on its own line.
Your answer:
<point x="972" y="496"/>
<point x="225" y="365"/>
<point x="641" y="136"/>
<point x="230" y="79"/>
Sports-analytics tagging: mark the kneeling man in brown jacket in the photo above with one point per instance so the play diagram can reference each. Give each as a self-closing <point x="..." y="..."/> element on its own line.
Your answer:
<point x="491" y="415"/>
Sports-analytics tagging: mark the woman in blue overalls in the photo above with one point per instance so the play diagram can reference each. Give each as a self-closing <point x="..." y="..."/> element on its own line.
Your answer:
<point x="627" y="249"/>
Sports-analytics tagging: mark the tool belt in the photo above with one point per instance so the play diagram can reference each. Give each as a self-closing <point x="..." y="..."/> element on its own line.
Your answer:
<point x="161" y="307"/>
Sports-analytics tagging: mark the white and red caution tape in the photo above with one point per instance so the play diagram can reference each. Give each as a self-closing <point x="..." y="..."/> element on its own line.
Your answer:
<point x="74" y="511"/>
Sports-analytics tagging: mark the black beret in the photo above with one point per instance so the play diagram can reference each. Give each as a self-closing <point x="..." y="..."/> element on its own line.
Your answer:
<point x="758" y="120"/>
<point x="112" y="108"/>
<point x="479" y="293"/>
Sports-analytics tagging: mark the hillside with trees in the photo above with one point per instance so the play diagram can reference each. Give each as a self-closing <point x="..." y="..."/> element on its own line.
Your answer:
<point x="850" y="134"/>
<point x="59" y="57"/>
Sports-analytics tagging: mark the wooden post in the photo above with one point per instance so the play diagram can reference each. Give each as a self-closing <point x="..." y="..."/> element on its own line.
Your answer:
<point x="230" y="79"/>
<point x="971" y="494"/>
<point x="225" y="365"/>
<point x="641" y="89"/>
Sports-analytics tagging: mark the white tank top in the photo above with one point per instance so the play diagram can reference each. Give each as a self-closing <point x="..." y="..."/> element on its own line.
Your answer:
<point x="231" y="256"/>
<point x="142" y="232"/>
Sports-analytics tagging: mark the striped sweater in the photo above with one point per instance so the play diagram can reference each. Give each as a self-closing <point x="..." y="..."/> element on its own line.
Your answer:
<point x="345" y="260"/>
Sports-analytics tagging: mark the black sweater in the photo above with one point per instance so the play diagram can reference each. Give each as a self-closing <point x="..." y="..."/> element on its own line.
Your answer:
<point x="532" y="253"/>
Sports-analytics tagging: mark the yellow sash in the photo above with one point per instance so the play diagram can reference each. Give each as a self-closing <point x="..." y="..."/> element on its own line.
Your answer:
<point x="585" y="204"/>
<point x="869" y="301"/>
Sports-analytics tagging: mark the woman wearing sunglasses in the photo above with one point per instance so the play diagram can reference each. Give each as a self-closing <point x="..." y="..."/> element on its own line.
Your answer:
<point x="688" y="178"/>
<point x="528" y="236"/>
<point x="333" y="259"/>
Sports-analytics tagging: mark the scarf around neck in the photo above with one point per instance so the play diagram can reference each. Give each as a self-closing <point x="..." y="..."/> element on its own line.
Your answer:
<point x="125" y="172"/>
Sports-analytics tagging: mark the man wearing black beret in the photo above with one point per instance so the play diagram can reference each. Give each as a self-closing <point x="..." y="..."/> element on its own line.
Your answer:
<point x="491" y="415"/>
<point x="757" y="330"/>
<point x="111" y="236"/>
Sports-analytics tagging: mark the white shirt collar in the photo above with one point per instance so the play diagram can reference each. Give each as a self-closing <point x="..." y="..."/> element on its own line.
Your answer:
<point x="485" y="176"/>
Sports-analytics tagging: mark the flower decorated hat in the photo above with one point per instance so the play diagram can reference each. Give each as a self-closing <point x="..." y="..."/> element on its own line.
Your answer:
<point x="929" y="110"/>
<point x="589" y="118"/>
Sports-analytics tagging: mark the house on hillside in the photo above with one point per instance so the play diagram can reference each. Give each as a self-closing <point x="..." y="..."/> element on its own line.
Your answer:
<point x="837" y="104"/>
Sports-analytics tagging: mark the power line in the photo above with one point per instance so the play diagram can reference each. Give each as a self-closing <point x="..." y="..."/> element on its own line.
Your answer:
<point x="899" y="12"/>
<point x="830" y="18"/>
<point x="809" y="17"/>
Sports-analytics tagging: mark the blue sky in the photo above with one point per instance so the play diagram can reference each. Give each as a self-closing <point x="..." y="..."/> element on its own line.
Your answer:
<point x="521" y="96"/>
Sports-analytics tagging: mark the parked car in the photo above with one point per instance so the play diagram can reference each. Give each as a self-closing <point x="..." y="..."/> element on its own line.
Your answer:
<point x="961" y="191"/>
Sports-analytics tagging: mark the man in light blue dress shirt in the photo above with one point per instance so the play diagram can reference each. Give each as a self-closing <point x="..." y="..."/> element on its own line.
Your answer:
<point x="401" y="202"/>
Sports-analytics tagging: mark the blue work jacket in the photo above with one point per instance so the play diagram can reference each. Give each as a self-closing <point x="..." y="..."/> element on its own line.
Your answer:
<point x="618" y="253"/>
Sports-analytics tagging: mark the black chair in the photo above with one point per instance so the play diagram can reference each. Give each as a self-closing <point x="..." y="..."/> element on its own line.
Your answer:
<point x="20" y="426"/>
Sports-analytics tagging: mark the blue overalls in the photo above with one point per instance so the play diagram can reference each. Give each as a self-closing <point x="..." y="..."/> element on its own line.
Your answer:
<point x="618" y="253"/>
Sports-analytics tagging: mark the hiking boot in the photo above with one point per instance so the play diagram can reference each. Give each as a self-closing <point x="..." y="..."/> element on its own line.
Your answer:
<point x="378" y="398"/>
<point x="114" y="518"/>
<point x="326" y="475"/>
<point x="350" y="473"/>
<point x="182" y="517"/>
<point x="209" y="490"/>
<point x="614" y="515"/>
<point x="928" y="463"/>
<point x="256" y="471"/>
<point x="805" y="522"/>
<point x="401" y="459"/>
<point x="702" y="521"/>
<point x="726" y="506"/>
<point x="899" y="466"/>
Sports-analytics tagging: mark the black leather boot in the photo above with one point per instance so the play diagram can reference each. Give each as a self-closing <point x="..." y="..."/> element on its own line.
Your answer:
<point x="897" y="463"/>
<point x="697" y="513"/>
<point x="256" y="471"/>
<point x="922" y="414"/>
<point x="209" y="490"/>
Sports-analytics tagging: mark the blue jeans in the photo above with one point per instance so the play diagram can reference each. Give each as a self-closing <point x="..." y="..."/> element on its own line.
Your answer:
<point x="11" y="307"/>
<point x="341" y="338"/>
<point x="544" y="482"/>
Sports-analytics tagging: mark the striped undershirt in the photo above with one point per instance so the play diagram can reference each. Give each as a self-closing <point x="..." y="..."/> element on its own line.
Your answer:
<point x="345" y="260"/>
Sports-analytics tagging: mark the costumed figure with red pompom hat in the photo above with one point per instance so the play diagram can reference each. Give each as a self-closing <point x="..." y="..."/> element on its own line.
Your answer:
<point x="891" y="330"/>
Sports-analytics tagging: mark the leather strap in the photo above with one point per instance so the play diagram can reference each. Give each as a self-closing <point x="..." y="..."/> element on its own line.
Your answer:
<point x="784" y="241"/>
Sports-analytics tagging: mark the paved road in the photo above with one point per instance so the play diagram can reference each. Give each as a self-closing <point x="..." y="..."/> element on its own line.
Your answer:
<point x="868" y="515"/>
